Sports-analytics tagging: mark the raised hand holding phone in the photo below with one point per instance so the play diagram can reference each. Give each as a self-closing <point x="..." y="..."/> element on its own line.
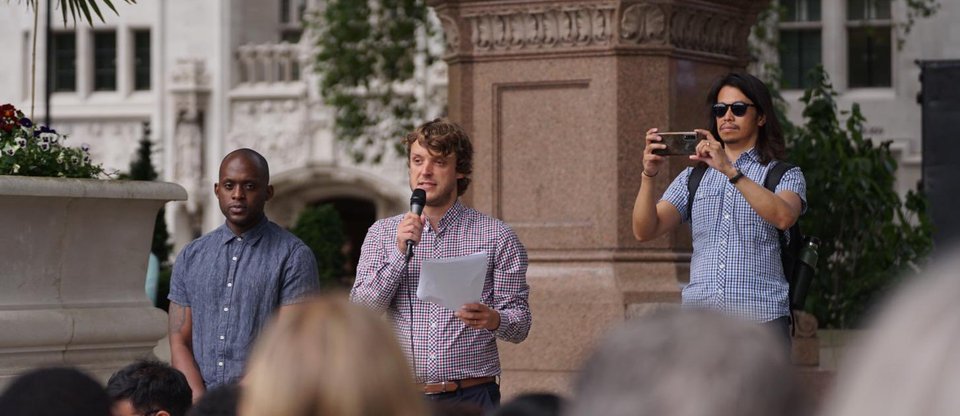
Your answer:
<point x="711" y="152"/>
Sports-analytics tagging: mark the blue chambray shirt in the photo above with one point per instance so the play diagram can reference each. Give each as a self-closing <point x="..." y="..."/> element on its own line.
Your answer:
<point x="735" y="266"/>
<point x="232" y="285"/>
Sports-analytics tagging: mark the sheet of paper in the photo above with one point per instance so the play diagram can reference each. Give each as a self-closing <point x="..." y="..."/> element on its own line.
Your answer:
<point x="453" y="282"/>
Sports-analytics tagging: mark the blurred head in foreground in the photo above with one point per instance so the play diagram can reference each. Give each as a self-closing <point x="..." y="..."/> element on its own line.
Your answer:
<point x="908" y="363"/>
<point x="329" y="357"/>
<point x="685" y="363"/>
<point x="54" y="392"/>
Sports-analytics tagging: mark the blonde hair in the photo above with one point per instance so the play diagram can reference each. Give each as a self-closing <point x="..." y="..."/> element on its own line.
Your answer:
<point x="907" y="363"/>
<point x="329" y="357"/>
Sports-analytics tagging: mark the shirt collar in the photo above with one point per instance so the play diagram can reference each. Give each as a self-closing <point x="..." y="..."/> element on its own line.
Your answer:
<point x="752" y="155"/>
<point x="453" y="214"/>
<point x="251" y="236"/>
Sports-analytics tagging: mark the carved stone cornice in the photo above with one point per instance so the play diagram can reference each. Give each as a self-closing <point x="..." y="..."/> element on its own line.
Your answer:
<point x="692" y="27"/>
<point x="562" y="27"/>
<point x="490" y="29"/>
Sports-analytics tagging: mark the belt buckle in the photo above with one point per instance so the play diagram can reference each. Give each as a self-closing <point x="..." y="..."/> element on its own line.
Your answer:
<point x="442" y="384"/>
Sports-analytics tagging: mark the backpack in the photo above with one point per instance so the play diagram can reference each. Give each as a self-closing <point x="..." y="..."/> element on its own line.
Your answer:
<point x="790" y="250"/>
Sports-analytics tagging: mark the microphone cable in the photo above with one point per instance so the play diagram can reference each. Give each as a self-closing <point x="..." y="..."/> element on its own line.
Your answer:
<point x="413" y="352"/>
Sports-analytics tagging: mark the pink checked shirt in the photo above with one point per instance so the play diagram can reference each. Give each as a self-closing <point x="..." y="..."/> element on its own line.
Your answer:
<point x="445" y="349"/>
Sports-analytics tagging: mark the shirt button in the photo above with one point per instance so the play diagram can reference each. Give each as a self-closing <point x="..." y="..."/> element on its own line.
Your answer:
<point x="221" y="337"/>
<point x="433" y="356"/>
<point x="239" y="238"/>
<point x="227" y="309"/>
<point x="721" y="265"/>
<point x="433" y="325"/>
<point x="234" y="258"/>
<point x="726" y="216"/>
<point x="220" y="363"/>
<point x="229" y="284"/>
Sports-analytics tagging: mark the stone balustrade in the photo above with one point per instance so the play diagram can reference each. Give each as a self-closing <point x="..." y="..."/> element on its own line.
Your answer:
<point x="269" y="63"/>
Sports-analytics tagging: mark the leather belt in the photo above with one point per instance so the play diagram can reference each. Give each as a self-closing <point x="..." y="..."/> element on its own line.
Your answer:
<point x="451" y="386"/>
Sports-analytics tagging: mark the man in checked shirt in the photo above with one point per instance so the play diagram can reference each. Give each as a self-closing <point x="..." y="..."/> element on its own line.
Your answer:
<point x="454" y="353"/>
<point x="736" y="265"/>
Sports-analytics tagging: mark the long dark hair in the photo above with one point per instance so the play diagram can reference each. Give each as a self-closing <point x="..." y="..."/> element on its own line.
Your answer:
<point x="770" y="143"/>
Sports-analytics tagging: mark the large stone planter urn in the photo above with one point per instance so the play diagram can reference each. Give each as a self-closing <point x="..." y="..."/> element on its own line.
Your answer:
<point x="73" y="257"/>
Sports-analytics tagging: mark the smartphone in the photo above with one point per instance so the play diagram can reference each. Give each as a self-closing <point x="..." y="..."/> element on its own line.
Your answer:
<point x="679" y="143"/>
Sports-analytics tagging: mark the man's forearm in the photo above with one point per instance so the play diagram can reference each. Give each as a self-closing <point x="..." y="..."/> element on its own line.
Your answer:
<point x="767" y="205"/>
<point x="181" y="357"/>
<point x="645" y="210"/>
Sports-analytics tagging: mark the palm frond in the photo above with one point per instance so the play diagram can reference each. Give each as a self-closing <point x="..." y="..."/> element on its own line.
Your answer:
<point x="86" y="9"/>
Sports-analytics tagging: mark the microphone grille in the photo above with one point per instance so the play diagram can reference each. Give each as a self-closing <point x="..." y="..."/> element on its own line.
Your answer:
<point x="419" y="197"/>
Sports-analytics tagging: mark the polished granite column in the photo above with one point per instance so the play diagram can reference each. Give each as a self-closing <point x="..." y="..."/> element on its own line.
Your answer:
<point x="556" y="96"/>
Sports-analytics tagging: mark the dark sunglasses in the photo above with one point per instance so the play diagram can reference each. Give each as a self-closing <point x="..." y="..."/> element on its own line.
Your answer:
<point x="739" y="108"/>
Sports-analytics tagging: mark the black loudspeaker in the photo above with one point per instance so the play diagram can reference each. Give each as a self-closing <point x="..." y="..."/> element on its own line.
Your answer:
<point x="940" y="101"/>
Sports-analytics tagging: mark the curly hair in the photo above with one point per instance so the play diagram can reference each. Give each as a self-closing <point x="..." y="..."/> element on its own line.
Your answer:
<point x="443" y="137"/>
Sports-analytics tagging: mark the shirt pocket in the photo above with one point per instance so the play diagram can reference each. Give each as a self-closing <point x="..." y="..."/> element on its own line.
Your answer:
<point x="758" y="235"/>
<point x="707" y="204"/>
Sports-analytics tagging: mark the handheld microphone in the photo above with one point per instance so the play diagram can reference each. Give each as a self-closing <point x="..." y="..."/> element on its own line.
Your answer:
<point x="417" y="201"/>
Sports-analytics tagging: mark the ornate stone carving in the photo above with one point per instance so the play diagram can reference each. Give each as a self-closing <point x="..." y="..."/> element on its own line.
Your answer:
<point x="687" y="28"/>
<point x="277" y="128"/>
<point x="531" y="29"/>
<point x="643" y="23"/>
<point x="451" y="32"/>
<point x="190" y="86"/>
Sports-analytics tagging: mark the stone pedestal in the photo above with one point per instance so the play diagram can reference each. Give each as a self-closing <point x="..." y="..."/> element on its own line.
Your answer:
<point x="74" y="255"/>
<point x="556" y="96"/>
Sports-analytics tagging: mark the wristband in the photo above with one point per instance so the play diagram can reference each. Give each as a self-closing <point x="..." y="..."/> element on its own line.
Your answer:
<point x="736" y="177"/>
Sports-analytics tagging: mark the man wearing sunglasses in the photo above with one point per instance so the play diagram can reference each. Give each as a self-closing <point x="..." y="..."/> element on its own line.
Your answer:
<point x="735" y="267"/>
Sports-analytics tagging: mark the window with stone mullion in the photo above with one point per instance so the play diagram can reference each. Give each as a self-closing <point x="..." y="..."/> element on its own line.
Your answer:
<point x="64" y="61"/>
<point x="869" y="44"/>
<point x="800" y="41"/>
<point x="105" y="60"/>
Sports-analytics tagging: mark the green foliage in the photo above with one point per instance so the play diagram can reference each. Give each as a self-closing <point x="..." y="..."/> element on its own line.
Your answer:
<point x="321" y="229"/>
<point x="366" y="63"/>
<point x="916" y="9"/>
<point x="870" y="237"/>
<point x="141" y="169"/>
<point x="29" y="150"/>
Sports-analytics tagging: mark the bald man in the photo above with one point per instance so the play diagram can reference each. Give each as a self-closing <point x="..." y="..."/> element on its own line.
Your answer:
<point x="227" y="283"/>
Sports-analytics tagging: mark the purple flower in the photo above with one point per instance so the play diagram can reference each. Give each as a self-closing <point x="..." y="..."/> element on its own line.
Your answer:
<point x="20" y="141"/>
<point x="25" y="122"/>
<point x="45" y="146"/>
<point x="85" y="147"/>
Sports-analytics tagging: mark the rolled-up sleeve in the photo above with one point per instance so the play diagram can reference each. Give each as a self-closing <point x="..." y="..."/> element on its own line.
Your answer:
<point x="678" y="194"/>
<point x="794" y="181"/>
<point x="300" y="276"/>
<point x="178" y="287"/>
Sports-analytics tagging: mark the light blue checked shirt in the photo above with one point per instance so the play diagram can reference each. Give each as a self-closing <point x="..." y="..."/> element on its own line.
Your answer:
<point x="233" y="285"/>
<point x="736" y="254"/>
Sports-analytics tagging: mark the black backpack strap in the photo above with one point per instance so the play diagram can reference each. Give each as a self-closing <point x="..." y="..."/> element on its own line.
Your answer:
<point x="693" y="182"/>
<point x="775" y="175"/>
